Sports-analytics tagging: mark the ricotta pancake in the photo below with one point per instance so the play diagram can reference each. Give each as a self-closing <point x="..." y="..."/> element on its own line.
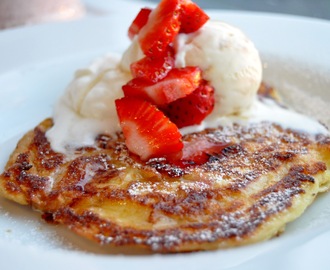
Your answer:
<point x="263" y="177"/>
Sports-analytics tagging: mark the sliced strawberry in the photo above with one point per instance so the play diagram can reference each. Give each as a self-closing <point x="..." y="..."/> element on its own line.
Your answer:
<point x="148" y="132"/>
<point x="136" y="88"/>
<point x="192" y="109"/>
<point x="199" y="150"/>
<point x="178" y="83"/>
<point x="139" y="21"/>
<point x="196" y="151"/>
<point x="192" y="17"/>
<point x="153" y="68"/>
<point x="162" y="27"/>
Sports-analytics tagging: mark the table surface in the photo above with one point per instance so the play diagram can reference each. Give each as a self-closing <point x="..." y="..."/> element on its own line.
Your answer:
<point x="14" y="14"/>
<point x="309" y="8"/>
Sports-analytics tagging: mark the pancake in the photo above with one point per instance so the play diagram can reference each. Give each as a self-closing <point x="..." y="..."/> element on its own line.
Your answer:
<point x="264" y="177"/>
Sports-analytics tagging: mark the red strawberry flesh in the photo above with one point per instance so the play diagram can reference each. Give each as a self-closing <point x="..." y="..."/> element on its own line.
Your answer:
<point x="178" y="83"/>
<point x="139" y="21"/>
<point x="196" y="151"/>
<point x="162" y="27"/>
<point x="192" y="17"/>
<point x="192" y="109"/>
<point x="153" y="68"/>
<point x="148" y="132"/>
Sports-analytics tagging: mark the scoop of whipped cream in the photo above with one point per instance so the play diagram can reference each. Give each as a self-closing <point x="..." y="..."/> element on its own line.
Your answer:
<point x="87" y="107"/>
<point x="229" y="60"/>
<point x="93" y="90"/>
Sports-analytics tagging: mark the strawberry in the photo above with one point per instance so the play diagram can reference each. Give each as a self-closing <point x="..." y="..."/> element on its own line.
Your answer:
<point x="162" y="27"/>
<point x="196" y="151"/>
<point x="178" y="83"/>
<point x="139" y="21"/>
<point x="192" y="109"/>
<point x="192" y="17"/>
<point x="148" y="132"/>
<point x="154" y="68"/>
<point x="137" y="88"/>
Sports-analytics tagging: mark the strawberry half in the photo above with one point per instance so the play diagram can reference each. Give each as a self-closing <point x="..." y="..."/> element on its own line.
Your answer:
<point x="139" y="21"/>
<point x="148" y="132"/>
<point x="162" y="27"/>
<point x="192" y="109"/>
<point x="178" y="83"/>
<point x="153" y="68"/>
<point x="192" y="17"/>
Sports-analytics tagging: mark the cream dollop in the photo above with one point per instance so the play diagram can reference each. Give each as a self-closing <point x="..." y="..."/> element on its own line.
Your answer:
<point x="87" y="107"/>
<point x="230" y="62"/>
<point x="93" y="90"/>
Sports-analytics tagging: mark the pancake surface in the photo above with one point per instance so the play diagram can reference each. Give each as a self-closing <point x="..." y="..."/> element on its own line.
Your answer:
<point x="265" y="177"/>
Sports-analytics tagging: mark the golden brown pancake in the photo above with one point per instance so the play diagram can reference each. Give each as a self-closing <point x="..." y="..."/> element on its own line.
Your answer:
<point x="265" y="177"/>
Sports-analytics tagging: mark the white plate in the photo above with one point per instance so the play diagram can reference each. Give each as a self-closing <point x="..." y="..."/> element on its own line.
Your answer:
<point x="38" y="62"/>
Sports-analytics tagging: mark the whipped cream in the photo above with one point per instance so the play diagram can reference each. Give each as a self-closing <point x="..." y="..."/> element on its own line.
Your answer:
<point x="93" y="90"/>
<point x="87" y="107"/>
<point x="229" y="60"/>
<point x="265" y="110"/>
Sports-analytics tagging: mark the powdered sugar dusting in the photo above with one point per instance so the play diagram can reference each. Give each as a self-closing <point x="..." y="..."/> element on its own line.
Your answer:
<point x="33" y="231"/>
<point x="227" y="226"/>
<point x="240" y="200"/>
